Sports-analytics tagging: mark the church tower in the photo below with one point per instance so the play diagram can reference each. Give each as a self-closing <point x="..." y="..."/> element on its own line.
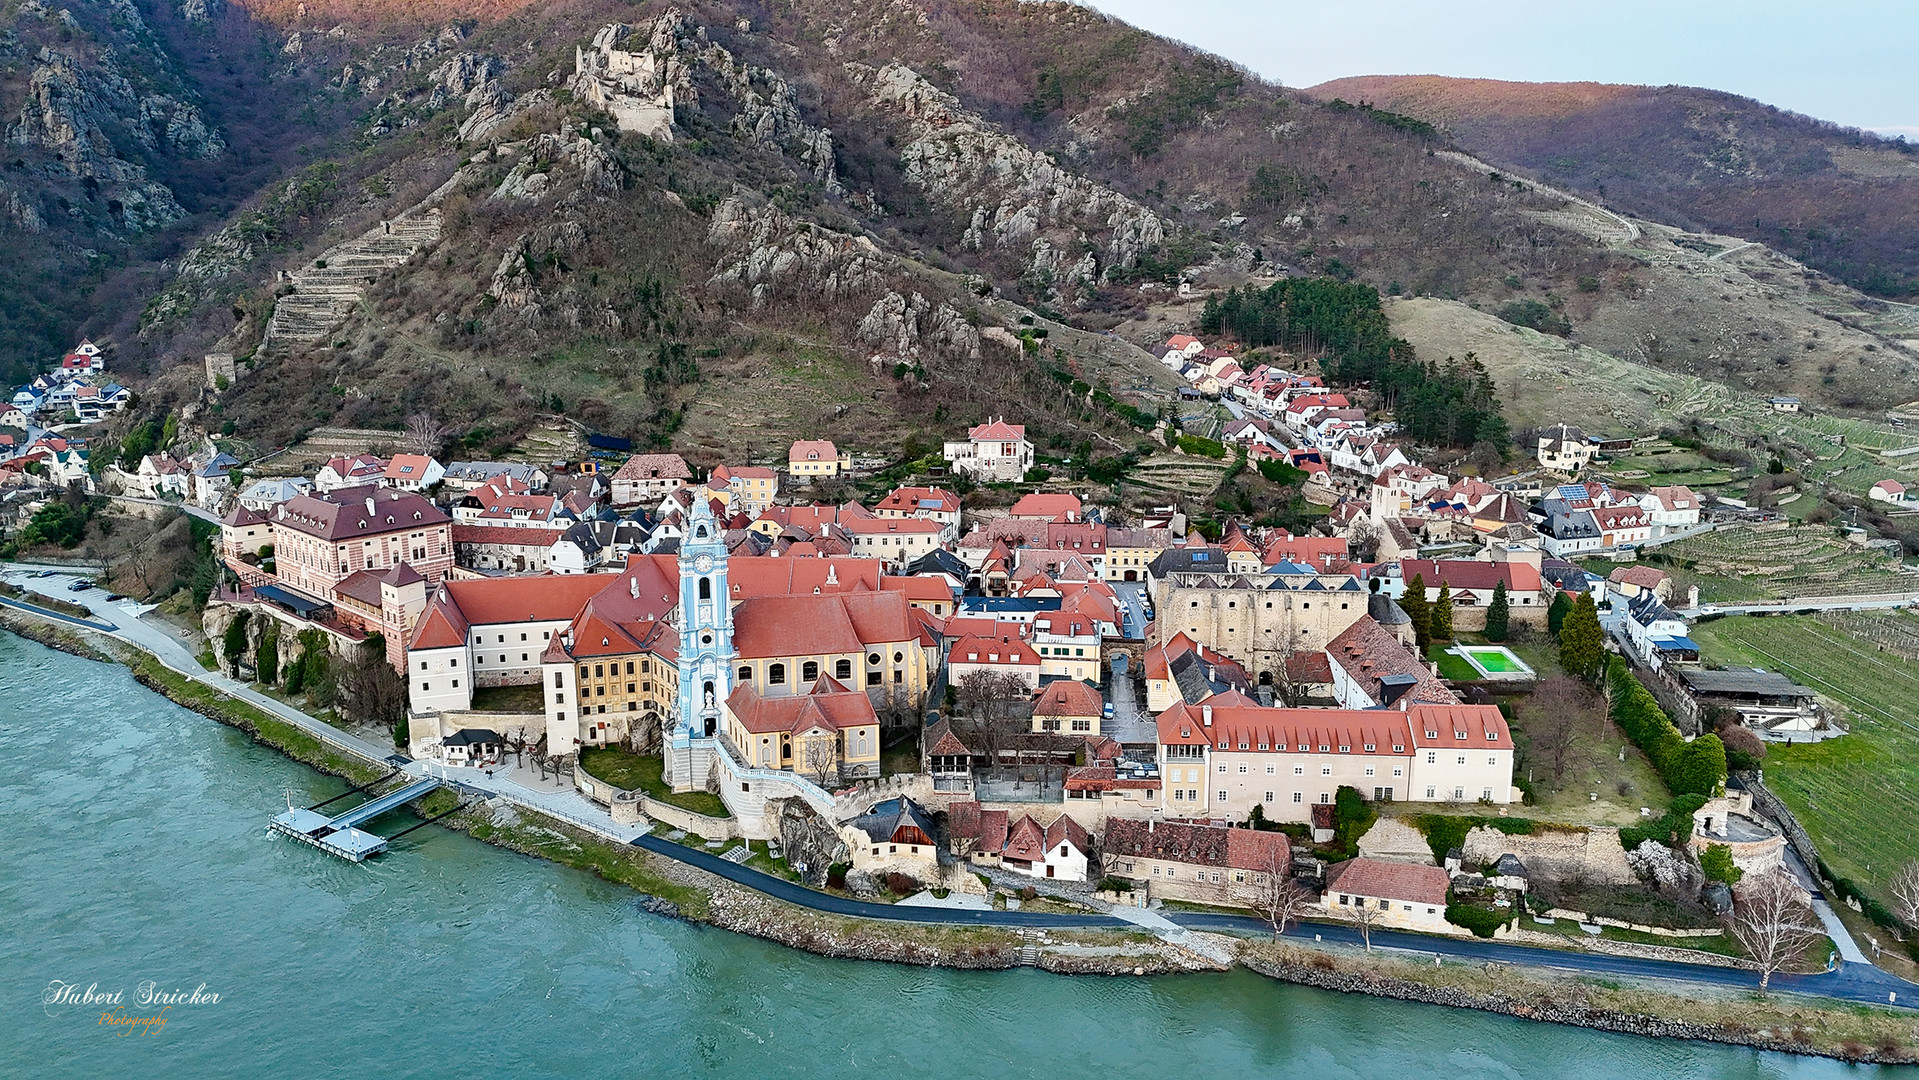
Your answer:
<point x="706" y="649"/>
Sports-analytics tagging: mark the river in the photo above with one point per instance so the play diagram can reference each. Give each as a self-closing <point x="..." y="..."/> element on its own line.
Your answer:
<point x="133" y="846"/>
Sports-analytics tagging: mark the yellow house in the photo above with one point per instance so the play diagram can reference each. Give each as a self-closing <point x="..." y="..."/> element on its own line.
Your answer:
<point x="1128" y="551"/>
<point x="750" y="488"/>
<point x="827" y="734"/>
<point x="810" y="458"/>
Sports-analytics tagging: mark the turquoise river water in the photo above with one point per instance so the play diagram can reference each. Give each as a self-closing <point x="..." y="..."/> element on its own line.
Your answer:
<point x="133" y="850"/>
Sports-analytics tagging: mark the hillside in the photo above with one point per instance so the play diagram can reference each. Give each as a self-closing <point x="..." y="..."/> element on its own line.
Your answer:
<point x="1843" y="201"/>
<point x="735" y="224"/>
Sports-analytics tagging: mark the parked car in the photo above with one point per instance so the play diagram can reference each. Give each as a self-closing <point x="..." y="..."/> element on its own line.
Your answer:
<point x="1108" y="711"/>
<point x="113" y="598"/>
<point x="80" y="586"/>
<point x="44" y="573"/>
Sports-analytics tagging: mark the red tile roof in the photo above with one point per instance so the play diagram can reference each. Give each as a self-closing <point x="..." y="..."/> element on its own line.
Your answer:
<point x="1045" y="506"/>
<point x="913" y="500"/>
<point x="1384" y="880"/>
<point x="1282" y="730"/>
<point x="996" y="431"/>
<point x="813" y="450"/>
<point x="774" y="626"/>
<point x="1478" y="575"/>
<point x="506" y="535"/>
<point x="1215" y="846"/>
<point x="1069" y="697"/>
<point x="829" y="706"/>
<point x="1011" y="652"/>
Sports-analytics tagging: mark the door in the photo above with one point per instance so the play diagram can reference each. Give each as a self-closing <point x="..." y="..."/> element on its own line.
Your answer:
<point x="1049" y="869"/>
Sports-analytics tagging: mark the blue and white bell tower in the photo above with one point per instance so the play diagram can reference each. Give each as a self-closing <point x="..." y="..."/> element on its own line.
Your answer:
<point x="706" y="648"/>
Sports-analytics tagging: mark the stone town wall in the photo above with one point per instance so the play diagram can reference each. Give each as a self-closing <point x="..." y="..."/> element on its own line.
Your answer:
<point x="1591" y="855"/>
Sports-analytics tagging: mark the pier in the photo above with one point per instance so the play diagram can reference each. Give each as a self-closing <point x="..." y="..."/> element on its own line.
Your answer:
<point x="340" y="835"/>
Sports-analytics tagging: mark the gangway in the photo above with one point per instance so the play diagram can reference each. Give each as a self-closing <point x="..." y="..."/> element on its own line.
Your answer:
<point x="340" y="835"/>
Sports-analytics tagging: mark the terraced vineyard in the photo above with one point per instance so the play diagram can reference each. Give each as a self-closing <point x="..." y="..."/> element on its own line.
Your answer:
<point x="1782" y="561"/>
<point x="1168" y="475"/>
<point x="1857" y="795"/>
<point x="1895" y="632"/>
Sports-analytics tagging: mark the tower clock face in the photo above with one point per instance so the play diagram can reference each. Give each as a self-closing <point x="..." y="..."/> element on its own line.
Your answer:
<point x="703" y="564"/>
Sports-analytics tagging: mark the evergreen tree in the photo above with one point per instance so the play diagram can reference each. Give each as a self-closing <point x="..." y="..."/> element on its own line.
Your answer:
<point x="1498" y="614"/>
<point x="1441" y="618"/>
<point x="1419" y="611"/>
<point x="1582" y="645"/>
<point x="1556" y="614"/>
<point x="267" y="664"/>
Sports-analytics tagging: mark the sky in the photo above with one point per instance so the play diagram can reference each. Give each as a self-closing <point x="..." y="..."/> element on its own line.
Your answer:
<point x="1849" y="61"/>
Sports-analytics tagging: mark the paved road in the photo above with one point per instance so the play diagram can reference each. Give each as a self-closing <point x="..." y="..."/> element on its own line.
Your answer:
<point x="1851" y="982"/>
<point x="782" y="889"/>
<point x="1862" y="602"/>
<point x="199" y="512"/>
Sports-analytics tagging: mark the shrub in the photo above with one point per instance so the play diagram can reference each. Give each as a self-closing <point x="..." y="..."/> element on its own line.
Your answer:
<point x="1194" y="444"/>
<point x="1696" y="768"/>
<point x="1481" y="921"/>
<point x="1716" y="862"/>
<point x="1352" y="816"/>
<point x="235" y="642"/>
<point x="902" y="884"/>
<point x="836" y="875"/>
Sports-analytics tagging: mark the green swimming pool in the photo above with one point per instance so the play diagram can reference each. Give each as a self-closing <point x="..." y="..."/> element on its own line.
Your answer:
<point x="1495" y="661"/>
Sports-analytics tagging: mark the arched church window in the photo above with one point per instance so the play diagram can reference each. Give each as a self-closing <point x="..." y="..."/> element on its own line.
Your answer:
<point x="843" y="669"/>
<point x="809" y="671"/>
<point x="706" y="588"/>
<point x="776" y="674"/>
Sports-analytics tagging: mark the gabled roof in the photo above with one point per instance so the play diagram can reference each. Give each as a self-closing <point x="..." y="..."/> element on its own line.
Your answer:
<point x="352" y="513"/>
<point x="1384" y="880"/>
<point x="827" y="709"/>
<point x="996" y="431"/>
<point x="1046" y="506"/>
<point x="1069" y="697"/>
<point x="654" y="467"/>
<point x="1214" y="846"/>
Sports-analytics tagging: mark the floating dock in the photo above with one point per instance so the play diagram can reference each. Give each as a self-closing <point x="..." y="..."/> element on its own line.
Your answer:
<point x="340" y="835"/>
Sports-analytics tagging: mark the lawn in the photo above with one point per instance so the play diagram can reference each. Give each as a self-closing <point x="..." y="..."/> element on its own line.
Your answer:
<point x="1450" y="666"/>
<point x="646" y="772"/>
<point x="1858" y="796"/>
<point x="901" y="756"/>
<point x="510" y="699"/>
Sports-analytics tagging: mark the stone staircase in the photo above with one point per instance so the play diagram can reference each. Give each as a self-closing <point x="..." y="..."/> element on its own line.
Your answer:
<point x="327" y="289"/>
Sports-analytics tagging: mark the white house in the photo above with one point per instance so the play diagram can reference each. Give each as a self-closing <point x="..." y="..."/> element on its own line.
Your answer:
<point x="1889" y="491"/>
<point x="412" y="472"/>
<point x="1565" y="448"/>
<point x="995" y="450"/>
<point x="1671" y="507"/>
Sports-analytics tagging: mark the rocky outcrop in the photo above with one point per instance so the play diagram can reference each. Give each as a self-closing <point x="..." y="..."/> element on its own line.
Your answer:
<point x="542" y="157"/>
<point x="764" y="250"/>
<point x="515" y="284"/>
<point x="1015" y="198"/>
<point x="643" y="76"/>
<point x="82" y="113"/>
<point x="807" y="839"/>
<point x="201" y="11"/>
<point x="898" y="328"/>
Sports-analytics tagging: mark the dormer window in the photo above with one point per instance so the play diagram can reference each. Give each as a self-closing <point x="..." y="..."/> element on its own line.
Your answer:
<point x="1492" y="736"/>
<point x="1345" y="749"/>
<point x="1399" y="748"/>
<point x="1459" y="735"/>
<point x="1324" y="748"/>
<point x="1369" y="748"/>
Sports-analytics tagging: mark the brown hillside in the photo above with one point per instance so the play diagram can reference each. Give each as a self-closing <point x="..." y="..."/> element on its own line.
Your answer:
<point x="1841" y="200"/>
<point x="325" y="13"/>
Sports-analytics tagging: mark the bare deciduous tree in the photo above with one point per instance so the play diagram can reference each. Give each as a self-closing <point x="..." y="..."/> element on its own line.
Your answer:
<point x="423" y="434"/>
<point x="1771" y="919"/>
<point x="1365" y="917"/>
<point x="370" y="691"/>
<point x="1280" y="898"/>
<point x="1554" y="719"/>
<point x="1905" y="893"/>
<point x="821" y="761"/>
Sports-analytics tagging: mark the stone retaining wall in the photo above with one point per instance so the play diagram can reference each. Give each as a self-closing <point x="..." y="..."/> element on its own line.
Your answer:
<point x="1601" y="920"/>
<point x="1592" y="854"/>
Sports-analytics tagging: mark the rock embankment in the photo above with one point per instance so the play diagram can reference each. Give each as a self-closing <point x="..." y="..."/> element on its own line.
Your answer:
<point x="1561" y="1004"/>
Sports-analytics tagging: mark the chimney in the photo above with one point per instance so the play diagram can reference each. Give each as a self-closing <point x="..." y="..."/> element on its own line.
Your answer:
<point x="1150" y="822"/>
<point x="369" y="504"/>
<point x="633" y="587"/>
<point x="1206" y="715"/>
<point x="1406" y="703"/>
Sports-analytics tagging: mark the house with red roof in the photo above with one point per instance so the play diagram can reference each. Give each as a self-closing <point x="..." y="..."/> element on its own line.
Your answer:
<point x="895" y="541"/>
<point x="1198" y="862"/>
<point x="749" y="489"/>
<point x="931" y="503"/>
<point x="1046" y="506"/>
<point x="826" y="734"/>
<point x="993" y="451"/>
<point x="1022" y="844"/>
<point x="412" y="472"/>
<point x="1402" y="896"/>
<point x="1221" y="758"/>
<point x="1068" y="707"/>
<point x="1004" y="654"/>
<point x="814" y="459"/>
<point x="349" y="471"/>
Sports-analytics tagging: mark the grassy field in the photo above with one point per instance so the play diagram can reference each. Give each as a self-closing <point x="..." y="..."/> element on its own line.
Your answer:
<point x="509" y="699"/>
<point x="646" y="772"/>
<point x="1858" y="796"/>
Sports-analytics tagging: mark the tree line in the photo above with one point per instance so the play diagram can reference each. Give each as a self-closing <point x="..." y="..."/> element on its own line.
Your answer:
<point x="1453" y="403"/>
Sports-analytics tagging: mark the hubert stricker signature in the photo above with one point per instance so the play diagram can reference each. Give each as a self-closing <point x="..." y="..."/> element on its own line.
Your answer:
<point x="114" y="1004"/>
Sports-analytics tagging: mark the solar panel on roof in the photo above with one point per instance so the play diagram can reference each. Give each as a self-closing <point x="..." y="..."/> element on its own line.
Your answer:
<point x="930" y="504"/>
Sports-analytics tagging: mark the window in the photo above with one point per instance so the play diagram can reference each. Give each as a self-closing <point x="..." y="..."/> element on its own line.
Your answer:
<point x="1431" y="758"/>
<point x="1325" y="798"/>
<point x="1242" y="768"/>
<point x="776" y="674"/>
<point x="456" y="684"/>
<point x="1222" y="765"/>
<point x="1369" y="770"/>
<point x="843" y="669"/>
<point x="1222" y="796"/>
<point x="1296" y="796"/>
<point x="1299" y="770"/>
<point x="629" y="667"/>
<point x="423" y="665"/>
<point x="1462" y="759"/>
<point x="706" y="588"/>
<point x="1325" y="770"/>
<point x="809" y="671"/>
<point x="1369" y="748"/>
<point x="1429" y="793"/>
<point x="599" y="670"/>
<point x="1269" y="796"/>
<point x="1491" y="760"/>
<point x="872" y="658"/>
<point x="1270" y="770"/>
<point x="585" y="671"/>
